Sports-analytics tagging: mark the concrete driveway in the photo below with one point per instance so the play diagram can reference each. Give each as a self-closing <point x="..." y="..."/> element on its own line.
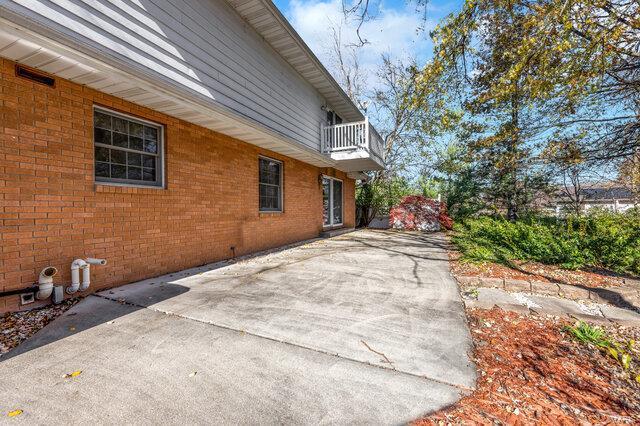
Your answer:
<point x="367" y="327"/>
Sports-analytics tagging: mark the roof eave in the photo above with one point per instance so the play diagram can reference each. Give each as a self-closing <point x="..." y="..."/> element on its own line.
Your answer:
<point x="254" y="11"/>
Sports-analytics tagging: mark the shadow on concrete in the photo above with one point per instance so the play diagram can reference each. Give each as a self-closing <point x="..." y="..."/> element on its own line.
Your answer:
<point x="84" y="316"/>
<point x="157" y="289"/>
<point x="397" y="240"/>
<point x="612" y="297"/>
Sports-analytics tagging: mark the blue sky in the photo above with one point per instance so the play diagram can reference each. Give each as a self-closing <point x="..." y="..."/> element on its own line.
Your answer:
<point x="393" y="32"/>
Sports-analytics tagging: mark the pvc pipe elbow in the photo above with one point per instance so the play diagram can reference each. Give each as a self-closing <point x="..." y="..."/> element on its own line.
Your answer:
<point x="45" y="283"/>
<point x="85" y="265"/>
<point x="77" y="264"/>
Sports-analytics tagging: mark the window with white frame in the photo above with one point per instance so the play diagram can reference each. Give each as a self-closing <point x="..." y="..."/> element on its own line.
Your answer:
<point x="270" y="185"/>
<point x="127" y="150"/>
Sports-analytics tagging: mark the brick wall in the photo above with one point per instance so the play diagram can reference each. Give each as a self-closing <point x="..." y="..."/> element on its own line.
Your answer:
<point x="52" y="212"/>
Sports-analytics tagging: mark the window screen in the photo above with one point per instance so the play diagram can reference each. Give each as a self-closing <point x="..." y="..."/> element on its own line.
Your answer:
<point x="270" y="183"/>
<point x="126" y="150"/>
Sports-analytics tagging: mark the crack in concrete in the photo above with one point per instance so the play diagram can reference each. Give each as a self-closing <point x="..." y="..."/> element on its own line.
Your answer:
<point x="462" y="388"/>
<point x="387" y="360"/>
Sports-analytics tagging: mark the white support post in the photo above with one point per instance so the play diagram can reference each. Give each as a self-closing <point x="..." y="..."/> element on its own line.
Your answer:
<point x="366" y="133"/>
<point x="323" y="142"/>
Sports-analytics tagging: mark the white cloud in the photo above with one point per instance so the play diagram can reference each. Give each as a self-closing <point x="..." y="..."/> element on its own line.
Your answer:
<point x="393" y="32"/>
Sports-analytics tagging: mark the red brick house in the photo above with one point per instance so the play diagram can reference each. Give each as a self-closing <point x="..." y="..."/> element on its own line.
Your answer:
<point x="164" y="135"/>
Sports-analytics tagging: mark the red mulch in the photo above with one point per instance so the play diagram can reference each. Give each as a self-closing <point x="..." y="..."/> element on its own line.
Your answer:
<point x="530" y="372"/>
<point x="533" y="271"/>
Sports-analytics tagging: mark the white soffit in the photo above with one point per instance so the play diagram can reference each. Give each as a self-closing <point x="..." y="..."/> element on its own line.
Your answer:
<point x="41" y="53"/>
<point x="269" y="22"/>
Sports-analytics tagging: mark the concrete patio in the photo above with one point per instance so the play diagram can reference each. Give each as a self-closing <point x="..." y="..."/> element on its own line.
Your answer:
<point x="367" y="327"/>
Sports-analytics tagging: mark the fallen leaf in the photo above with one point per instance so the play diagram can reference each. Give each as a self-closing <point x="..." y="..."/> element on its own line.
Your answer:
<point x="14" y="413"/>
<point x="193" y="374"/>
<point x="72" y="329"/>
<point x="74" y="374"/>
<point x="625" y="360"/>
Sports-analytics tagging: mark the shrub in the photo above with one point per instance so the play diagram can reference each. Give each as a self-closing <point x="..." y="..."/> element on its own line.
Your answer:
<point x="600" y="239"/>
<point x="417" y="212"/>
<point x="614" y="239"/>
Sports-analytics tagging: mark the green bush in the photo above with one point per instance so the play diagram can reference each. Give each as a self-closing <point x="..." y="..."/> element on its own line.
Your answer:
<point x="599" y="239"/>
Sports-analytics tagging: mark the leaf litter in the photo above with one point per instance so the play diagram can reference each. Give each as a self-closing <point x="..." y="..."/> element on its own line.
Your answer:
<point x="530" y="371"/>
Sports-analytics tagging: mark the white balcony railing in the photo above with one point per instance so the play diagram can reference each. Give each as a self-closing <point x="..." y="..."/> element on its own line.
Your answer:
<point x="360" y="135"/>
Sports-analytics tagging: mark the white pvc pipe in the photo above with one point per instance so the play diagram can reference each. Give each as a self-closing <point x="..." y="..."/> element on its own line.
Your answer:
<point x="45" y="283"/>
<point x="78" y="264"/>
<point x="86" y="277"/>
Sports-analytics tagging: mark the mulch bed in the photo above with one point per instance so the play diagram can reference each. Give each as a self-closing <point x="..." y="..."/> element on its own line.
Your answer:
<point x="533" y="271"/>
<point x="16" y="327"/>
<point x="531" y="372"/>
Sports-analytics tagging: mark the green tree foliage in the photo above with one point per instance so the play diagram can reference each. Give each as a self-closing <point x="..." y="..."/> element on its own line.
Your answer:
<point x="517" y="75"/>
<point x="378" y="196"/>
<point x="456" y="180"/>
<point x="496" y="132"/>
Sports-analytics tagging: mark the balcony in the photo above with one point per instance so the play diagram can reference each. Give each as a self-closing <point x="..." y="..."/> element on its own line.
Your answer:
<point x="357" y="146"/>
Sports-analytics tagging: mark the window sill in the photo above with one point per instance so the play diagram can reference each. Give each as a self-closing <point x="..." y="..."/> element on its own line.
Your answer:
<point x="125" y="187"/>
<point x="269" y="213"/>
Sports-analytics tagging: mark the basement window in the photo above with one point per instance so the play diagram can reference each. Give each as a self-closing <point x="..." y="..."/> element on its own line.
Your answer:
<point x="128" y="151"/>
<point x="270" y="185"/>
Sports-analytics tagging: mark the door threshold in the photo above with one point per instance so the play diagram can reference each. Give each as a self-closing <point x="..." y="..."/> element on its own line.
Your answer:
<point x="328" y="233"/>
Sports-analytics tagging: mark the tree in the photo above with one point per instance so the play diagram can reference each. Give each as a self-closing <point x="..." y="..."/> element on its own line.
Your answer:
<point x="363" y="11"/>
<point x="629" y="176"/>
<point x="528" y="72"/>
<point x="581" y="56"/>
<point x="456" y="179"/>
<point x="405" y="130"/>
<point x="386" y="103"/>
<point x="497" y="124"/>
<point x="346" y="66"/>
<point x="378" y="197"/>
<point x="577" y="174"/>
<point x="588" y="56"/>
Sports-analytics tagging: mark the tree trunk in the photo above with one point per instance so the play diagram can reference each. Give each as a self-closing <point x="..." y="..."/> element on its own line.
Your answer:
<point x="512" y="189"/>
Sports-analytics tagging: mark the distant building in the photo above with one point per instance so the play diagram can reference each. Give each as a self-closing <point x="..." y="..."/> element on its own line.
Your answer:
<point x="610" y="196"/>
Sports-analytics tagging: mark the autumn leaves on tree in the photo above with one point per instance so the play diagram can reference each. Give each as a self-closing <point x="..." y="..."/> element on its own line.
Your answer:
<point x="533" y="88"/>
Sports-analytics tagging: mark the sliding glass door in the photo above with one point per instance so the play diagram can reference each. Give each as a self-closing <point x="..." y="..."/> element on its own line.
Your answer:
<point x="332" y="201"/>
